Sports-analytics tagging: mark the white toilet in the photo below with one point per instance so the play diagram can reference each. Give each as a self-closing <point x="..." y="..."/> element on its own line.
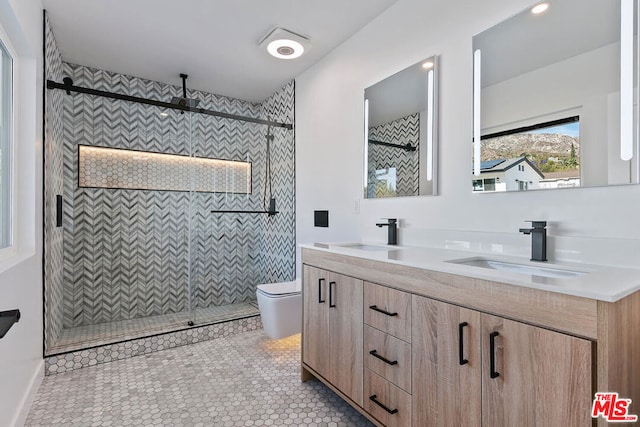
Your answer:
<point x="281" y="308"/>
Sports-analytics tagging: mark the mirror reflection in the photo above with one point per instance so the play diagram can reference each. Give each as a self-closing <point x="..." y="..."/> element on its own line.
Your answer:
<point x="400" y="133"/>
<point x="554" y="98"/>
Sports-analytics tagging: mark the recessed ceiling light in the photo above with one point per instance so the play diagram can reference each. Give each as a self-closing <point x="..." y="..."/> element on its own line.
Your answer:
<point x="539" y="8"/>
<point x="164" y="114"/>
<point x="285" y="44"/>
<point x="427" y="65"/>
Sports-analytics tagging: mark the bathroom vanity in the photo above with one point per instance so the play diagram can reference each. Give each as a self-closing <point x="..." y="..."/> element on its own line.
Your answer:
<point x="409" y="338"/>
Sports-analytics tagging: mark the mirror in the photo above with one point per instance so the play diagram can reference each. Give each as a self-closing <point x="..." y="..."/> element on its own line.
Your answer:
<point x="554" y="90"/>
<point x="400" y="133"/>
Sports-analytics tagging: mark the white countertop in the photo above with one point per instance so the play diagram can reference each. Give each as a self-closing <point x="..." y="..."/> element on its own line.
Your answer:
<point x="600" y="282"/>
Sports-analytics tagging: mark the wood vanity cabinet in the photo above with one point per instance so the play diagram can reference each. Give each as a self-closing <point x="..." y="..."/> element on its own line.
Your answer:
<point x="469" y="352"/>
<point x="332" y="329"/>
<point x="472" y="369"/>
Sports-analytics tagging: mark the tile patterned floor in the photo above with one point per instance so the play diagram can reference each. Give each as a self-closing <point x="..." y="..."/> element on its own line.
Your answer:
<point x="241" y="380"/>
<point x="123" y="350"/>
<point x="106" y="333"/>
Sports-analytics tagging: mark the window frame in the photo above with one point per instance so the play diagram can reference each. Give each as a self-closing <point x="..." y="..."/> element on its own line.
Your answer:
<point x="8" y="212"/>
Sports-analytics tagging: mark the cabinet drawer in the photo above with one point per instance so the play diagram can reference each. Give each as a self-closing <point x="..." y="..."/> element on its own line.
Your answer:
<point x="391" y="358"/>
<point x="387" y="403"/>
<point x="388" y="310"/>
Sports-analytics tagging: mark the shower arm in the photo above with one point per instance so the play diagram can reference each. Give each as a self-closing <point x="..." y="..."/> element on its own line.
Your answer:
<point x="184" y="84"/>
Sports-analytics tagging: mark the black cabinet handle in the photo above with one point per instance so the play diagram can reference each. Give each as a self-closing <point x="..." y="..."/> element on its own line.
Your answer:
<point x="461" y="326"/>
<point x="375" y="354"/>
<point x="492" y="355"/>
<point x="374" y="400"/>
<point x="331" y="303"/>
<point x="379" y="310"/>
<point x="320" y="300"/>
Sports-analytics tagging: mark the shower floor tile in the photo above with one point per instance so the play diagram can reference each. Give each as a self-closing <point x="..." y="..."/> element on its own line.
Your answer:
<point x="110" y="332"/>
<point x="241" y="380"/>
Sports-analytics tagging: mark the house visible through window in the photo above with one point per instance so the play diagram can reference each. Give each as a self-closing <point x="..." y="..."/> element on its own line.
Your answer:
<point x="6" y="109"/>
<point x="486" y="184"/>
<point x="547" y="155"/>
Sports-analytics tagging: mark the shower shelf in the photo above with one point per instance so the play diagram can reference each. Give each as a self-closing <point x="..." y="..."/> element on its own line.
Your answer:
<point x="7" y="319"/>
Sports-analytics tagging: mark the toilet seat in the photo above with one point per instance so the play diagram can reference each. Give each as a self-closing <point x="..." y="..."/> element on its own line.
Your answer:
<point x="283" y="289"/>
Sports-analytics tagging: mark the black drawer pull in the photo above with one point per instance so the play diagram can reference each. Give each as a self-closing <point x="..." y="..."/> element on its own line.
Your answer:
<point x="374" y="400"/>
<point x="492" y="355"/>
<point x="331" y="303"/>
<point x="375" y="354"/>
<point x="379" y="310"/>
<point x="461" y="326"/>
<point x="320" y="300"/>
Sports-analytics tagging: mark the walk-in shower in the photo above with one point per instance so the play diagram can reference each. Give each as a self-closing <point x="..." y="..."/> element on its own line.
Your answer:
<point x="159" y="216"/>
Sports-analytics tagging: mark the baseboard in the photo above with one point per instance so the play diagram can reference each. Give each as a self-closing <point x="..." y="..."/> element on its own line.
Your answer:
<point x="20" y="417"/>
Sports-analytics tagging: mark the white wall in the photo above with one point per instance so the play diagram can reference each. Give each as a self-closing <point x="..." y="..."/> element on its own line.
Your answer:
<point x="21" y="365"/>
<point x="329" y="138"/>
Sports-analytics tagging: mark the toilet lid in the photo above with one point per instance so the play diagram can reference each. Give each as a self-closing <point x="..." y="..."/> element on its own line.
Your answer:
<point x="282" y="288"/>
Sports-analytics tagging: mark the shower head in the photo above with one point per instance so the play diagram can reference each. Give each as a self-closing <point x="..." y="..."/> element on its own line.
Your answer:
<point x="183" y="100"/>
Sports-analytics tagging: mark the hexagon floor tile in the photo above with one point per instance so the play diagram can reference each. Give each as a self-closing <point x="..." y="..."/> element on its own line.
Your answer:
<point x="241" y="380"/>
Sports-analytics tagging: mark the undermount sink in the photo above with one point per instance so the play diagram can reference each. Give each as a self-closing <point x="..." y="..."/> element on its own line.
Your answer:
<point x="365" y="247"/>
<point x="532" y="270"/>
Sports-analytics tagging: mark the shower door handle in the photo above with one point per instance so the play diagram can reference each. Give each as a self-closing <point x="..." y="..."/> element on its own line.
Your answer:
<point x="320" y="300"/>
<point x="58" y="210"/>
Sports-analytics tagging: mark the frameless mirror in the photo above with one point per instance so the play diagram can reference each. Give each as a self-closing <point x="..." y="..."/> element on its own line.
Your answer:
<point x="400" y="133"/>
<point x="555" y="88"/>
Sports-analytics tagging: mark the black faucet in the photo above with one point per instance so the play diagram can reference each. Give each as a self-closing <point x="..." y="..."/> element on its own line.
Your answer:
<point x="392" y="235"/>
<point x="538" y="233"/>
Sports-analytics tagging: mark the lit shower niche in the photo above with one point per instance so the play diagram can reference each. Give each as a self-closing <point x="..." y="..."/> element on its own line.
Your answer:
<point x="101" y="167"/>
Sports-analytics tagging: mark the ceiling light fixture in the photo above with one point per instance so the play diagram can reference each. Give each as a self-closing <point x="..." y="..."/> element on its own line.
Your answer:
<point x="427" y="65"/>
<point x="539" y="8"/>
<point x="285" y="44"/>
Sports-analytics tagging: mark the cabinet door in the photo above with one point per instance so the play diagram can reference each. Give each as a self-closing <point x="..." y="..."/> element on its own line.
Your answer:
<point x="538" y="378"/>
<point x="446" y="376"/>
<point x="344" y="299"/>
<point x="315" y="324"/>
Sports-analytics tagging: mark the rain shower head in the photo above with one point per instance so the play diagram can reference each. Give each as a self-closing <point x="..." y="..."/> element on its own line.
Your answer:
<point x="183" y="100"/>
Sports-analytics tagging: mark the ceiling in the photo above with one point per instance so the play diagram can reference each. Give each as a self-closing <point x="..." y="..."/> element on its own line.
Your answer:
<point x="399" y="95"/>
<point x="527" y="42"/>
<point x="215" y="42"/>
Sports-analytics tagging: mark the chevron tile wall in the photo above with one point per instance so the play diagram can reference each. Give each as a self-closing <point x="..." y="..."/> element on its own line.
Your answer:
<point x="126" y="252"/>
<point x="402" y="131"/>
<point x="53" y="236"/>
<point x="277" y="252"/>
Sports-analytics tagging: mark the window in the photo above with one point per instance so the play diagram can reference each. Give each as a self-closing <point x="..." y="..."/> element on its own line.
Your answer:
<point x="6" y="119"/>
<point x="486" y="184"/>
<point x="490" y="184"/>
